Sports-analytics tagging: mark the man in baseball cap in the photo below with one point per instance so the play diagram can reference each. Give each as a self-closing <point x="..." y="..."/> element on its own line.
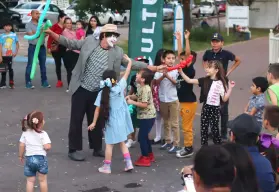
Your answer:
<point x="245" y="130"/>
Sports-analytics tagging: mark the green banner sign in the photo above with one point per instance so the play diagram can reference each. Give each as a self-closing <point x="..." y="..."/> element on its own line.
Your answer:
<point x="146" y="28"/>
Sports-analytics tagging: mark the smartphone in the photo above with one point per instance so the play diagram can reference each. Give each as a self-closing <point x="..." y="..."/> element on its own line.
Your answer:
<point x="189" y="183"/>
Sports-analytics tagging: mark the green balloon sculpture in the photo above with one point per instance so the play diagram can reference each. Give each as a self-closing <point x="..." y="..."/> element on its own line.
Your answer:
<point x="41" y="40"/>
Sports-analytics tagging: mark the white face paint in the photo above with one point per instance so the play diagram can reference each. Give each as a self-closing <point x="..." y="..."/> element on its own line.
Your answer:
<point x="112" y="40"/>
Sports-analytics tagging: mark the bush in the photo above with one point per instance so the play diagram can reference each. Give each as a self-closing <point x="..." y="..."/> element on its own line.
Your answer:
<point x="197" y="35"/>
<point x="202" y="35"/>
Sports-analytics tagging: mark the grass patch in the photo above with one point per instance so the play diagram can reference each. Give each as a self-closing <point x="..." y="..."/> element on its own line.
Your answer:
<point x="200" y="39"/>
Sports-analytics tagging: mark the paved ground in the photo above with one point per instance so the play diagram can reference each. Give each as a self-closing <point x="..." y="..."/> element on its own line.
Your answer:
<point x="68" y="176"/>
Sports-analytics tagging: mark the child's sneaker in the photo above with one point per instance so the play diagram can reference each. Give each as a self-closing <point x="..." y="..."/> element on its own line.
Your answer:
<point x="187" y="152"/>
<point x="45" y="84"/>
<point x="105" y="169"/>
<point x="59" y="84"/>
<point x="166" y="146"/>
<point x="143" y="162"/>
<point x="12" y="85"/>
<point x="174" y="149"/>
<point x="3" y="86"/>
<point x="151" y="157"/>
<point x="129" y="165"/>
<point x="29" y="85"/>
<point x="130" y="143"/>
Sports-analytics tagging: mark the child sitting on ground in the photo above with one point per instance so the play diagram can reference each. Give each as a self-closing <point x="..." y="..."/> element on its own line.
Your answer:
<point x="255" y="106"/>
<point x="273" y="80"/>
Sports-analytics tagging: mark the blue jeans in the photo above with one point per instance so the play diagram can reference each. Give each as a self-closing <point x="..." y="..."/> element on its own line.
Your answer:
<point x="34" y="164"/>
<point x="145" y="126"/>
<point x="42" y="62"/>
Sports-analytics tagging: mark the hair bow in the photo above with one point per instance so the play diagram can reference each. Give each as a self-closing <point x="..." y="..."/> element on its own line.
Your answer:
<point x="105" y="83"/>
<point x="267" y="140"/>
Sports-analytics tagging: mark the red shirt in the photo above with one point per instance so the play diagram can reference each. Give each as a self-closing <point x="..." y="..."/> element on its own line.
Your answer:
<point x="56" y="29"/>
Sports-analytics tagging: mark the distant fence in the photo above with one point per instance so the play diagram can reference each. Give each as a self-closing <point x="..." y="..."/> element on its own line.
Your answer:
<point x="273" y="47"/>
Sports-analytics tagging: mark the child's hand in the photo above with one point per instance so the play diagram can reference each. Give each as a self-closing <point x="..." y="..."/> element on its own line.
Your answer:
<point x="231" y="84"/>
<point x="127" y="58"/>
<point x="21" y="159"/>
<point x="129" y="101"/>
<point x="186" y="34"/>
<point x="92" y="126"/>
<point x="180" y="70"/>
<point x="177" y="35"/>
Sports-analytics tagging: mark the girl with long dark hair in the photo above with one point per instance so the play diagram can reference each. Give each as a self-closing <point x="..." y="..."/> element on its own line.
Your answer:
<point x="246" y="180"/>
<point x="94" y="27"/>
<point x="155" y="93"/>
<point x="114" y="116"/>
<point x="214" y="91"/>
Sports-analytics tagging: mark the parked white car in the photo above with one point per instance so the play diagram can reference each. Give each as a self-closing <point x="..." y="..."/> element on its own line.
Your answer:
<point x="123" y="18"/>
<point x="207" y="8"/>
<point x="168" y="12"/>
<point x="105" y="17"/>
<point x="25" y="11"/>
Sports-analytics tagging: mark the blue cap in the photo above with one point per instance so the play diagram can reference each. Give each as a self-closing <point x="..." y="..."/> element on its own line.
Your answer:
<point x="217" y="36"/>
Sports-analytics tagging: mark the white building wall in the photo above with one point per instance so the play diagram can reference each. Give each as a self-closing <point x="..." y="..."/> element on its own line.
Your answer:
<point x="264" y="14"/>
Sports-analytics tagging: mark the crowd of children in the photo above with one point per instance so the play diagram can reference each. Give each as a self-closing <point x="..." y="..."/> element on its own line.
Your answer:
<point x="154" y="101"/>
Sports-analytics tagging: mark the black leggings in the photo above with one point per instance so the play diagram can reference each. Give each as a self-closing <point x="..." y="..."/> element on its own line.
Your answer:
<point x="7" y="61"/>
<point x="210" y="118"/>
<point x="58" y="56"/>
<point x="70" y="60"/>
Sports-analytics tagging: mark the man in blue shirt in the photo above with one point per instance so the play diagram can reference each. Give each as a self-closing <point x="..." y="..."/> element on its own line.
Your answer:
<point x="245" y="130"/>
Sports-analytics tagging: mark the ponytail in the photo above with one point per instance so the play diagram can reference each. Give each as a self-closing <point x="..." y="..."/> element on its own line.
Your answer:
<point x="104" y="108"/>
<point x="34" y="120"/>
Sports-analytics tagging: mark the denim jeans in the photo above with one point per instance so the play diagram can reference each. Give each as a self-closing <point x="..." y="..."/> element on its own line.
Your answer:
<point x="42" y="62"/>
<point x="145" y="126"/>
<point x="34" y="164"/>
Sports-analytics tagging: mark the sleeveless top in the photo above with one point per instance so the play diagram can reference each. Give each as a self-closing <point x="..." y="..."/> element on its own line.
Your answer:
<point x="275" y="89"/>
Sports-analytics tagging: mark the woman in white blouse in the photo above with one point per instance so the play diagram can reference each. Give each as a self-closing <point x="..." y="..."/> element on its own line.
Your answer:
<point x="94" y="27"/>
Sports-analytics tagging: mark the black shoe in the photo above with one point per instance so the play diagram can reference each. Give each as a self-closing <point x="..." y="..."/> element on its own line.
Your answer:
<point x="187" y="152"/>
<point x="99" y="153"/>
<point x="156" y="142"/>
<point x="76" y="156"/>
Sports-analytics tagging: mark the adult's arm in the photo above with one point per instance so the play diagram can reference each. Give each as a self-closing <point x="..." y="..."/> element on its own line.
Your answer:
<point x="72" y="44"/>
<point x="28" y="29"/>
<point x="136" y="65"/>
<point x="237" y="62"/>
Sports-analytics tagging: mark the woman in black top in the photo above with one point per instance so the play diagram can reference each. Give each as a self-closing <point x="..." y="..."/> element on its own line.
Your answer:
<point x="94" y="27"/>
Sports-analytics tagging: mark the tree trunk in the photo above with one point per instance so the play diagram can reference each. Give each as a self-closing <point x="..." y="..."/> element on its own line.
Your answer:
<point x="187" y="15"/>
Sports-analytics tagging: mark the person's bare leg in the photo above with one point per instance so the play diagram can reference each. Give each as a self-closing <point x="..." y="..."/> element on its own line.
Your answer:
<point x="107" y="162"/>
<point x="127" y="157"/>
<point x="30" y="182"/>
<point x="43" y="182"/>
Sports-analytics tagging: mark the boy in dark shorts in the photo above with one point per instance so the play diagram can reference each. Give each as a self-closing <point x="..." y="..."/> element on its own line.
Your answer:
<point x="133" y="110"/>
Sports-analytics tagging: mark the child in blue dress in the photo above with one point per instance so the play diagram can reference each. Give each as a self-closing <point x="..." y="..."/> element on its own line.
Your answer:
<point x="113" y="111"/>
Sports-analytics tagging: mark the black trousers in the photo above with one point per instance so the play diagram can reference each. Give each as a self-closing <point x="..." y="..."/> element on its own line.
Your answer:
<point x="224" y="119"/>
<point x="83" y="103"/>
<point x="58" y="56"/>
<point x="210" y="118"/>
<point x="8" y="61"/>
<point x="70" y="60"/>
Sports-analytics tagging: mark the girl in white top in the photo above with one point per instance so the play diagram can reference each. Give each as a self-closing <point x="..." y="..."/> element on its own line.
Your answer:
<point x="214" y="90"/>
<point x="35" y="143"/>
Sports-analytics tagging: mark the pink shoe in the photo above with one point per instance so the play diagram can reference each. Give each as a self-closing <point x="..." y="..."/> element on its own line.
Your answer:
<point x="105" y="169"/>
<point x="129" y="165"/>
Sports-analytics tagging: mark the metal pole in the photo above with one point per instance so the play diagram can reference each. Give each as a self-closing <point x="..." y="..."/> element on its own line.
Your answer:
<point x="218" y="18"/>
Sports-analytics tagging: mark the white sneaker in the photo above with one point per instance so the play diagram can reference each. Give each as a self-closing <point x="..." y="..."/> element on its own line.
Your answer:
<point x="130" y="143"/>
